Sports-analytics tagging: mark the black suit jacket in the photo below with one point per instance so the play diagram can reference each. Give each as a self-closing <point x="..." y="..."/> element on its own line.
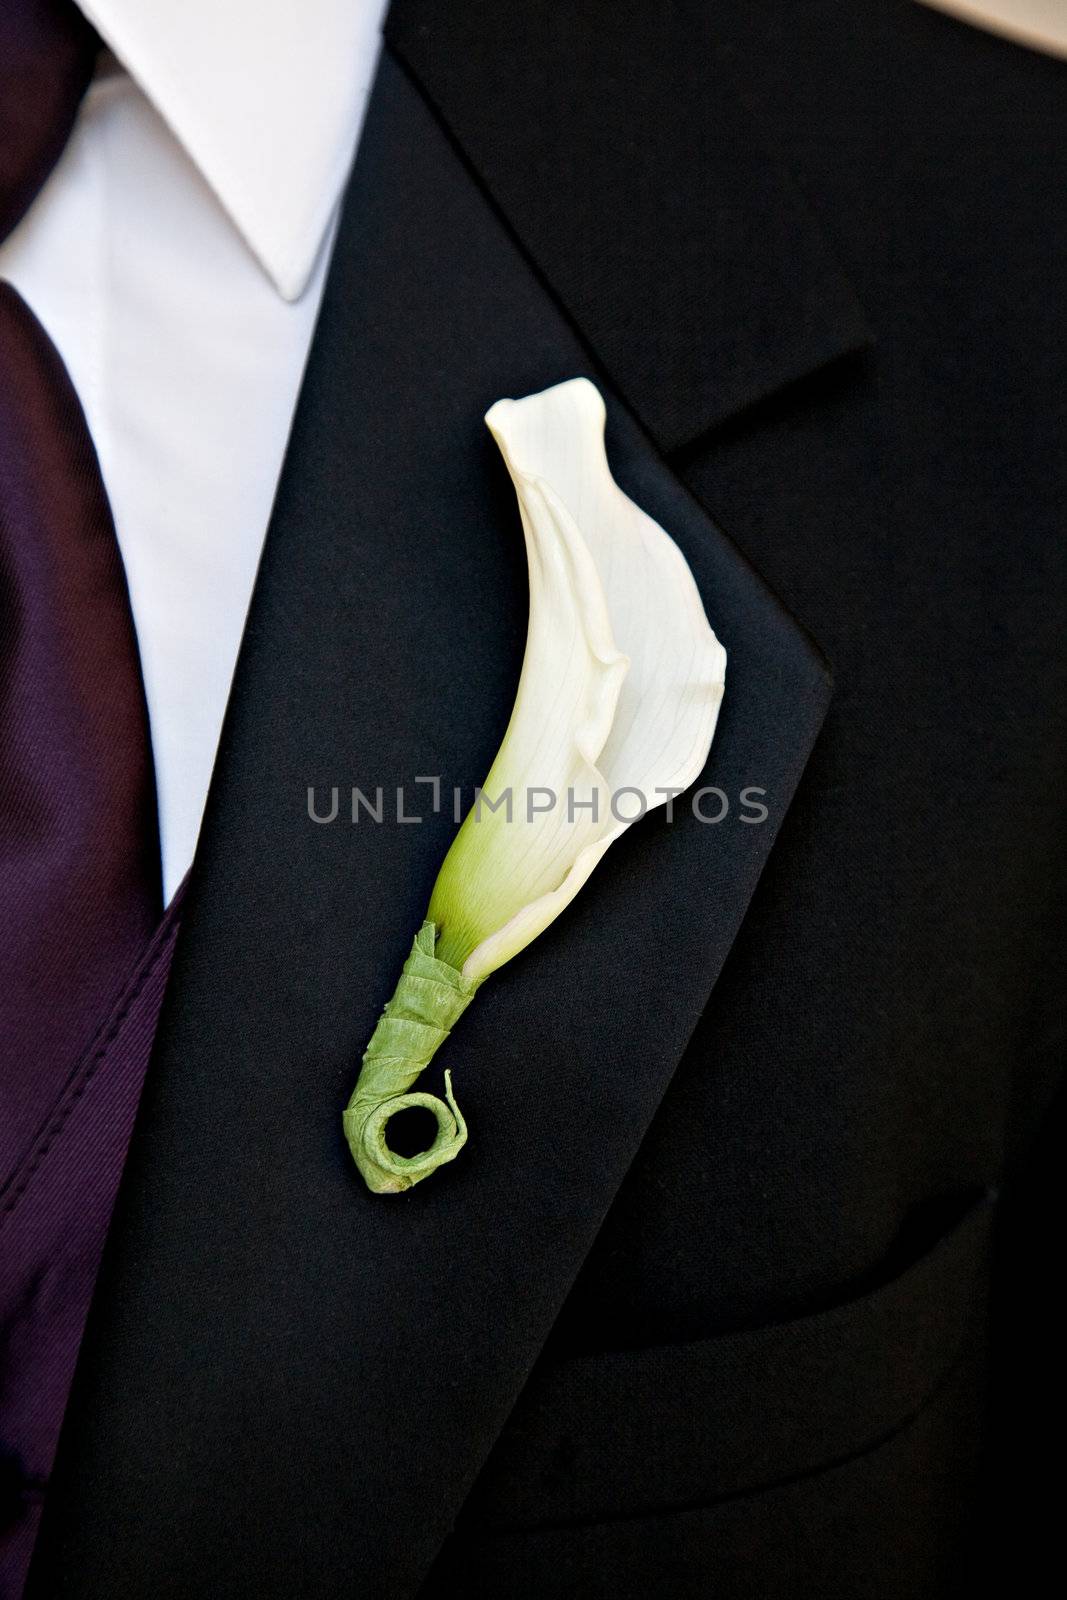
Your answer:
<point x="703" y="1308"/>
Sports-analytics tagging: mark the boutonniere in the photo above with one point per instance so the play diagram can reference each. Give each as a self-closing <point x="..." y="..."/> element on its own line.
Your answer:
<point x="616" y="707"/>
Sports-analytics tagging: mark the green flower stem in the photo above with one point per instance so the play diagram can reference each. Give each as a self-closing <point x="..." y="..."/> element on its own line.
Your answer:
<point x="429" y="999"/>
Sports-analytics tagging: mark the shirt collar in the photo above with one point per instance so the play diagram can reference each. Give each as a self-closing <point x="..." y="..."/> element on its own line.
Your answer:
<point x="266" y="97"/>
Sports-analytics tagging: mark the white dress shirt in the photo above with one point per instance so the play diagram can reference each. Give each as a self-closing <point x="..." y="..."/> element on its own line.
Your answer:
<point x="176" y="256"/>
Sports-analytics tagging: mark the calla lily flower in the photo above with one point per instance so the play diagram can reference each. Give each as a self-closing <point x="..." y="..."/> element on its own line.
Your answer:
<point x="615" y="711"/>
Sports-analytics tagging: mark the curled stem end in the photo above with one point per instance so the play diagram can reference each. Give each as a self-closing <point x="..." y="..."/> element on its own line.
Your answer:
<point x="383" y="1170"/>
<point x="430" y="996"/>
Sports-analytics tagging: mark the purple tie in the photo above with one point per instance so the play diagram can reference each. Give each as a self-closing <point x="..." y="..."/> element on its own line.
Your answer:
<point x="84" y="951"/>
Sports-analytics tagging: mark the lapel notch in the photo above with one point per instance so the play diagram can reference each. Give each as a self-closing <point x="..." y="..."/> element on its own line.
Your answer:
<point x="613" y="142"/>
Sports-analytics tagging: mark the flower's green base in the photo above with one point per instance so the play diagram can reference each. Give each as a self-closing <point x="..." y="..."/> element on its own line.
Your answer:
<point x="429" y="999"/>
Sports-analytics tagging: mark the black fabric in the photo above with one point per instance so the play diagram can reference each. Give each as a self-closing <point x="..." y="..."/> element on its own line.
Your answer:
<point x="889" y="1030"/>
<point x="392" y="598"/>
<point x="289" y="1388"/>
<point x="886" y="1525"/>
<point x="667" y="1427"/>
<point x="618" y="151"/>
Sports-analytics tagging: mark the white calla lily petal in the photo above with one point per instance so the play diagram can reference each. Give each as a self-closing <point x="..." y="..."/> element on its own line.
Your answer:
<point x="620" y="686"/>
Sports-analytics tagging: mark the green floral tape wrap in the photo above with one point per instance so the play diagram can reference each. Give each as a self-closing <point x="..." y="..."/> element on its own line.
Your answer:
<point x="429" y="999"/>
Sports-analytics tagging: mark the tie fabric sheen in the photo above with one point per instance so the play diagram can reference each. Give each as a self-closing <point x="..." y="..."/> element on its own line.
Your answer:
<point x="84" y="946"/>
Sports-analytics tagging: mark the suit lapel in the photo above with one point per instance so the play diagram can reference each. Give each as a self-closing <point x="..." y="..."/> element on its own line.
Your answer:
<point x="611" y="138"/>
<point x="289" y="1384"/>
